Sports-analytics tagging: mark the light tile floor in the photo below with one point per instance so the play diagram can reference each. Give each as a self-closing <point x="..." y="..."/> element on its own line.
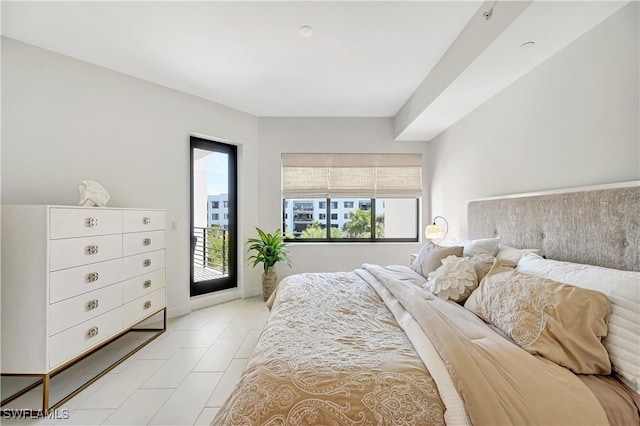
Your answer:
<point x="181" y="378"/>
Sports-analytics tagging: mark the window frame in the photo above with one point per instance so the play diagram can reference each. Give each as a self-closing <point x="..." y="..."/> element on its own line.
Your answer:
<point x="372" y="239"/>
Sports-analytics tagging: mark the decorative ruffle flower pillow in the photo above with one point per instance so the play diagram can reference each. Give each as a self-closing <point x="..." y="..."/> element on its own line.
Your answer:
<point x="454" y="280"/>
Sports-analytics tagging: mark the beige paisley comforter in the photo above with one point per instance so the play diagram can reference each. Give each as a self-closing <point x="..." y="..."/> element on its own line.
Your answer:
<point x="333" y="353"/>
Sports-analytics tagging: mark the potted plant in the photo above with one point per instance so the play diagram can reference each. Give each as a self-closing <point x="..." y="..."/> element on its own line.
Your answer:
<point x="269" y="249"/>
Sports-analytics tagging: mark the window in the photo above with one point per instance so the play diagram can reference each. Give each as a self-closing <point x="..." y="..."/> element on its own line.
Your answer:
<point x="302" y="207"/>
<point x="381" y="190"/>
<point x="364" y="205"/>
<point x="225" y="204"/>
<point x="226" y="216"/>
<point x="215" y="216"/>
<point x="300" y="224"/>
<point x="215" y="204"/>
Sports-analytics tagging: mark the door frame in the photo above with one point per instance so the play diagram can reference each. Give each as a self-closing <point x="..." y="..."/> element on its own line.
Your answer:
<point x="231" y="280"/>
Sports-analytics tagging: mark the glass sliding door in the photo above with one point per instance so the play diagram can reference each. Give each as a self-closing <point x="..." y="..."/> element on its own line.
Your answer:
<point x="213" y="216"/>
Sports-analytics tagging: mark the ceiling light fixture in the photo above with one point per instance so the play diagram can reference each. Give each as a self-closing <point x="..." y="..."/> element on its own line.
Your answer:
<point x="305" y="31"/>
<point x="527" y="45"/>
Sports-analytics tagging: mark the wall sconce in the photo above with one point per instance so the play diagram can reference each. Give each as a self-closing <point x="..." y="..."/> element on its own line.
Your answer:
<point x="433" y="231"/>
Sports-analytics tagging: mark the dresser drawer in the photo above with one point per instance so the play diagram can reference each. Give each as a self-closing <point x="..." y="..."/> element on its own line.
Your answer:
<point x="143" y="306"/>
<point x="141" y="242"/>
<point x="67" y="253"/>
<point x="143" y="284"/>
<point x="74" y="341"/>
<point x="71" y="282"/>
<point x="143" y="220"/>
<point x="70" y="312"/>
<point x="143" y="263"/>
<point x="68" y="223"/>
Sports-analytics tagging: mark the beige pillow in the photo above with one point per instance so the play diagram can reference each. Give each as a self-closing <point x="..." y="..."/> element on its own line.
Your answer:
<point x="482" y="263"/>
<point x="563" y="323"/>
<point x="513" y="254"/>
<point x="430" y="257"/>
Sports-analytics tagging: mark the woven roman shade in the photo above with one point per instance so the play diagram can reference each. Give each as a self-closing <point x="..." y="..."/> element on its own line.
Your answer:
<point x="351" y="175"/>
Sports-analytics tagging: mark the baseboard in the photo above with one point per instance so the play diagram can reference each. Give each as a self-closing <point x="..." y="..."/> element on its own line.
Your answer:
<point x="252" y="292"/>
<point x="179" y="311"/>
<point x="206" y="300"/>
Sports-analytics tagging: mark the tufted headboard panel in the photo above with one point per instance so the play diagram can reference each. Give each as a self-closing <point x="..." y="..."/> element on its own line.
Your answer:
<point x="598" y="226"/>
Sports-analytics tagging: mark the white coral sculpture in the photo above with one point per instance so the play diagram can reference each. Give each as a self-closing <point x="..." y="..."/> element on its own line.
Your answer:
<point x="92" y="194"/>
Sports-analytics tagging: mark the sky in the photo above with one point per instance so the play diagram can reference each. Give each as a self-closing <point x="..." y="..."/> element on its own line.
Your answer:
<point x="217" y="167"/>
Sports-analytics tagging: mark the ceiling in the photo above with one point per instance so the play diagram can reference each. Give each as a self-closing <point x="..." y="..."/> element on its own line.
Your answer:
<point x="363" y="59"/>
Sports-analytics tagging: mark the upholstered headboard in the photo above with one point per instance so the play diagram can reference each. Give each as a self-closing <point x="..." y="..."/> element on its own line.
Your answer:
<point x="598" y="225"/>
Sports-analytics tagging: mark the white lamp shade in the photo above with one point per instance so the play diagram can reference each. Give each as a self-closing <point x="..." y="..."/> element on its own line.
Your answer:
<point x="434" y="231"/>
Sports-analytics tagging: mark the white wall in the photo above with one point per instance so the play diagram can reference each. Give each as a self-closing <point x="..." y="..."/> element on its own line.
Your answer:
<point x="65" y="120"/>
<point x="573" y="121"/>
<point x="328" y="135"/>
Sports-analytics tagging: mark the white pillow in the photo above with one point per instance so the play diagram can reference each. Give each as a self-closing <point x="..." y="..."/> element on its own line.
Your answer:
<point x="454" y="280"/>
<point x="513" y="254"/>
<point x="623" y="290"/>
<point x="480" y="246"/>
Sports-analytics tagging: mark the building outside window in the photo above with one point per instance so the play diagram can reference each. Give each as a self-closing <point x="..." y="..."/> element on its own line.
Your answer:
<point x="220" y="204"/>
<point x="348" y="204"/>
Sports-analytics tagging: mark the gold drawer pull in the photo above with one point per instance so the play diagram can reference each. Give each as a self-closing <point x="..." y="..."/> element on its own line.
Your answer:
<point x="93" y="332"/>
<point x="147" y="262"/>
<point x="92" y="249"/>
<point x="146" y="220"/>
<point x="147" y="284"/>
<point x="147" y="304"/>
<point x="92" y="304"/>
<point x="92" y="277"/>
<point x="146" y="242"/>
<point x="92" y="222"/>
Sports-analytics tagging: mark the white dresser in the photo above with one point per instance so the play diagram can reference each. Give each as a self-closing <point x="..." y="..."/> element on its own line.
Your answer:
<point x="74" y="278"/>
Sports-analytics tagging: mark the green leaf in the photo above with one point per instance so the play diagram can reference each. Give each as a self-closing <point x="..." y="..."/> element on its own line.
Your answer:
<point x="268" y="249"/>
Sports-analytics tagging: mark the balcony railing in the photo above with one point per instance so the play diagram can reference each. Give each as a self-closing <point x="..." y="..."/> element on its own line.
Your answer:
<point x="210" y="252"/>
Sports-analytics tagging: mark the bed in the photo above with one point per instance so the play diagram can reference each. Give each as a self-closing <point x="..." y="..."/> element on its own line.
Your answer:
<point x="537" y="341"/>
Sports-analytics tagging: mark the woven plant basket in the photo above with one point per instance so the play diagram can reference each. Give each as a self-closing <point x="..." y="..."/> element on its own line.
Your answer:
<point x="269" y="282"/>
